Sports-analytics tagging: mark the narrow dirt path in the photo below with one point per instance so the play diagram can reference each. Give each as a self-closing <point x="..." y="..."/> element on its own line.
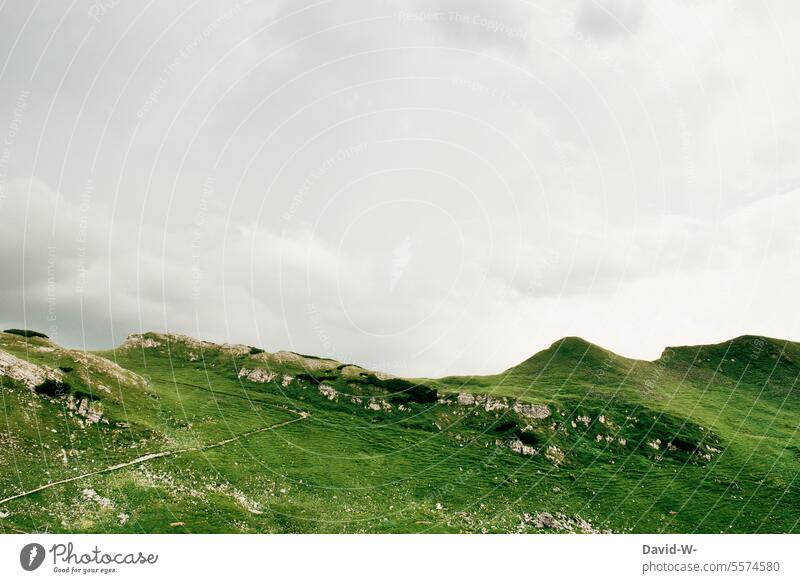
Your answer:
<point x="153" y="456"/>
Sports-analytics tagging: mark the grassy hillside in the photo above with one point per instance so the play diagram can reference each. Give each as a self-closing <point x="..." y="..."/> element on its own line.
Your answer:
<point x="170" y="434"/>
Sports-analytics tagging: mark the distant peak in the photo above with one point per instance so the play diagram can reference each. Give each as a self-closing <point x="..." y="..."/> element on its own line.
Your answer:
<point x="573" y="342"/>
<point x="156" y="339"/>
<point x="746" y="341"/>
<point x="572" y="352"/>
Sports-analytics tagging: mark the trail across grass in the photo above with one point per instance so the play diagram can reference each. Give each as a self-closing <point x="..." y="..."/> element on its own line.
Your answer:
<point x="152" y="456"/>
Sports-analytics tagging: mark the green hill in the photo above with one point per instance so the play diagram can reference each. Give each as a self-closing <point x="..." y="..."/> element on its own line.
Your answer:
<point x="167" y="433"/>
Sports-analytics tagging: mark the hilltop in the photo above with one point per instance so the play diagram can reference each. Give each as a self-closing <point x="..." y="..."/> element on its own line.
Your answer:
<point x="167" y="433"/>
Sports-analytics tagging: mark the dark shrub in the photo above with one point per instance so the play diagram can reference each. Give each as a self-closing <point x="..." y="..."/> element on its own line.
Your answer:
<point x="56" y="389"/>
<point x="506" y="428"/>
<point x="83" y="395"/>
<point x="254" y="350"/>
<point x="527" y="438"/>
<point x="316" y="379"/>
<point x="683" y="445"/>
<point x="25" y="333"/>
<point x="52" y="388"/>
<point x="401" y="390"/>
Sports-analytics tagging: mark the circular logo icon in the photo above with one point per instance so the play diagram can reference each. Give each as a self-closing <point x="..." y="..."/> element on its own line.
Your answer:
<point x="31" y="556"/>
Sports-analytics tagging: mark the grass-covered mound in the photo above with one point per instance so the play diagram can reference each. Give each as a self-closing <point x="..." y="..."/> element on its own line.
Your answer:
<point x="173" y="434"/>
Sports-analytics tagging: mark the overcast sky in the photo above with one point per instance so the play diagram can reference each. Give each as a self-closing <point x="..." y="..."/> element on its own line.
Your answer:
<point x="424" y="187"/>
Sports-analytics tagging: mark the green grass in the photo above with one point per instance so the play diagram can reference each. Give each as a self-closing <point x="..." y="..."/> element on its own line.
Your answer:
<point x="702" y="440"/>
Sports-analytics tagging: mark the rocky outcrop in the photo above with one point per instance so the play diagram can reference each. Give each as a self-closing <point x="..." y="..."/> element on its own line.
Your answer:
<point x="89" y="411"/>
<point x="560" y="522"/>
<point x="466" y="399"/>
<point x="532" y="411"/>
<point x="488" y="403"/>
<point x="328" y="392"/>
<point x="554" y="454"/>
<point x="156" y="340"/>
<point x="517" y="446"/>
<point x="91" y="495"/>
<point x="257" y="375"/>
<point x="235" y="349"/>
<point x="307" y="363"/>
<point x="98" y="364"/>
<point x="29" y="374"/>
<point x="378" y="405"/>
<point x="139" y="341"/>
